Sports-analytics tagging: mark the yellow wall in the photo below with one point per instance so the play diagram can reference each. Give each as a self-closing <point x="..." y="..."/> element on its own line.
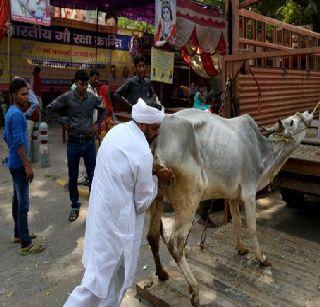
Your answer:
<point x="23" y="52"/>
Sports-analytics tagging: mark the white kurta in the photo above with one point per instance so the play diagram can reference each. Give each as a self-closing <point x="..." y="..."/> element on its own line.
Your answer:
<point x="122" y="189"/>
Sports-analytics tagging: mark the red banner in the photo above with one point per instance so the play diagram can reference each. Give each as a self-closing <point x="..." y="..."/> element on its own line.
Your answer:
<point x="4" y="9"/>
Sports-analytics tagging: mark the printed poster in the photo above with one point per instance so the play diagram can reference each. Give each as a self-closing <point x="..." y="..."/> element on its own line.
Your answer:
<point x="165" y="22"/>
<point x="162" y="64"/>
<point x="31" y="11"/>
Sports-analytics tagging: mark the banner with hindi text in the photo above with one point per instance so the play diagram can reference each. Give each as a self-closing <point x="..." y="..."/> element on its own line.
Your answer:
<point x="58" y="61"/>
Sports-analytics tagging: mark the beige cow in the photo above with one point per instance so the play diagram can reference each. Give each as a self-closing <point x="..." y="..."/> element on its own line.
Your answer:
<point x="213" y="157"/>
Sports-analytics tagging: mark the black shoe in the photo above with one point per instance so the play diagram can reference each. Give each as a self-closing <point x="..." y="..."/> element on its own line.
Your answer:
<point x="85" y="182"/>
<point x="74" y="214"/>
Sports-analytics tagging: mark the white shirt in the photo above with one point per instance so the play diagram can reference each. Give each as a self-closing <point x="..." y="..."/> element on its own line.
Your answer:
<point x="122" y="189"/>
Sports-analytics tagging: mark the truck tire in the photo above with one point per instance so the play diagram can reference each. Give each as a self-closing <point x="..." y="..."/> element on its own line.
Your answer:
<point x="294" y="199"/>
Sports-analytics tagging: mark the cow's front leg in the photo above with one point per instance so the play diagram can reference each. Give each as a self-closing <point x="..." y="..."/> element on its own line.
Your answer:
<point x="236" y="222"/>
<point x="250" y="206"/>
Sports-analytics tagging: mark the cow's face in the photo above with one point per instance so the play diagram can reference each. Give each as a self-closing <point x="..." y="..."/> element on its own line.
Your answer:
<point x="292" y="128"/>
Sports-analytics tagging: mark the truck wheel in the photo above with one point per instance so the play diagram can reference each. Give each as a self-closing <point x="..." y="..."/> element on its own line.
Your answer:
<point x="294" y="199"/>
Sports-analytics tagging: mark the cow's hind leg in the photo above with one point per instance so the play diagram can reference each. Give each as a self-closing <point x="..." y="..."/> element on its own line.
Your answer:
<point x="236" y="222"/>
<point x="183" y="222"/>
<point x="153" y="235"/>
<point x="250" y="206"/>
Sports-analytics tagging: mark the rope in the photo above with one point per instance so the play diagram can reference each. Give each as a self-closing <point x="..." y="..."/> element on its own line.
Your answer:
<point x="204" y="231"/>
<point x="259" y="90"/>
<point x="316" y="107"/>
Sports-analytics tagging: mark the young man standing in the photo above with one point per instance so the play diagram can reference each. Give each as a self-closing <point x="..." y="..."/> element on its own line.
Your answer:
<point x="36" y="84"/>
<point x="94" y="82"/>
<point x="15" y="135"/>
<point x="137" y="87"/>
<point x="93" y="89"/>
<point x="123" y="188"/>
<point x="79" y="105"/>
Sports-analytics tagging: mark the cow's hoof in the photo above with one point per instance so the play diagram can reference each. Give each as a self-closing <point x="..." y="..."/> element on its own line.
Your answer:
<point x="243" y="251"/>
<point x="195" y="301"/>
<point x="265" y="263"/>
<point x="163" y="275"/>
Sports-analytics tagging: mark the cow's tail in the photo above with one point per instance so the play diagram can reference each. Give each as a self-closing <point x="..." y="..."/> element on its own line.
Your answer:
<point x="162" y="234"/>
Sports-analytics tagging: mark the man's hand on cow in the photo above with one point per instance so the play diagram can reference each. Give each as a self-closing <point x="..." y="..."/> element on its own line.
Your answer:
<point x="165" y="174"/>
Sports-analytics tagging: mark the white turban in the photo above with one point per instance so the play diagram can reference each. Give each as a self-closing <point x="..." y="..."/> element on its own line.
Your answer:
<point x="144" y="114"/>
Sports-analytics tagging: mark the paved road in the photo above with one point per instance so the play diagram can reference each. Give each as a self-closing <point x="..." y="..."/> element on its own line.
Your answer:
<point x="47" y="278"/>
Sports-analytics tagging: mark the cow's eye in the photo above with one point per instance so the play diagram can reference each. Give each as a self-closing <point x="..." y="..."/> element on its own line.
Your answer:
<point x="292" y="122"/>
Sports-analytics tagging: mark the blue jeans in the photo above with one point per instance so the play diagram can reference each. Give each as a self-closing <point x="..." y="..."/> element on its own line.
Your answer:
<point x="20" y="205"/>
<point x="75" y="151"/>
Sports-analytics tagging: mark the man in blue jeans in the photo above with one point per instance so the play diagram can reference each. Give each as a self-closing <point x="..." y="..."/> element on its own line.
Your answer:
<point x="15" y="135"/>
<point x="78" y="106"/>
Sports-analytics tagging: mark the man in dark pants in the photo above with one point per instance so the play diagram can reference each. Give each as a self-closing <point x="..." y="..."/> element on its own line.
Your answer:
<point x="79" y="106"/>
<point x="136" y="87"/>
<point x="15" y="135"/>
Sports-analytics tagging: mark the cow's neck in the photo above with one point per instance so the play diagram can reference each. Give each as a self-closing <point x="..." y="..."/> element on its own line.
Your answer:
<point x="277" y="155"/>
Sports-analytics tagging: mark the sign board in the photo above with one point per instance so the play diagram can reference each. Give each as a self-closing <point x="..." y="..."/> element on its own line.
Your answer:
<point x="31" y="11"/>
<point x="162" y="64"/>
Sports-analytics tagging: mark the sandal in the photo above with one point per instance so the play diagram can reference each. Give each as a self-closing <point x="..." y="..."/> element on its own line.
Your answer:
<point x="31" y="249"/>
<point x="18" y="240"/>
<point x="74" y="214"/>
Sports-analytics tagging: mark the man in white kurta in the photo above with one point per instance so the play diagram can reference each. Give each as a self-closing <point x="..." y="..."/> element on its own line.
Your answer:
<point x="123" y="188"/>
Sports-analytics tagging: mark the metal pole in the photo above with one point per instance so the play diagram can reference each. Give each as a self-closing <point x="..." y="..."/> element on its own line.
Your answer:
<point x="97" y="29"/>
<point x="319" y="126"/>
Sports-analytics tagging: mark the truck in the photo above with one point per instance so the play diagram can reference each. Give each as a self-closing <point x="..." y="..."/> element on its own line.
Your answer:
<point x="299" y="179"/>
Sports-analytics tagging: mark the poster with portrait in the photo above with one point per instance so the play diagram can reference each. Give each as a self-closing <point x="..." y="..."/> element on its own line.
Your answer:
<point x="31" y="11"/>
<point x="135" y="46"/>
<point x="165" y="22"/>
<point x="162" y="65"/>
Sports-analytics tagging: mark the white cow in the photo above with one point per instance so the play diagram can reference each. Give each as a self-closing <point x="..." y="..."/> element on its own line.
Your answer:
<point x="213" y="157"/>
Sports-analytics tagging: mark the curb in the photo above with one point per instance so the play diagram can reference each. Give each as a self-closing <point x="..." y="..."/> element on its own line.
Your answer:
<point x="83" y="191"/>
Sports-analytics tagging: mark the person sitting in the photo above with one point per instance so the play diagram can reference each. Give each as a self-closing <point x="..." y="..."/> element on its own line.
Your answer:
<point x="200" y="100"/>
<point x="215" y="100"/>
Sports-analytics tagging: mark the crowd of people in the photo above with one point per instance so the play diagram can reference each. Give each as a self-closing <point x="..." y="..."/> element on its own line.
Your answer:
<point x="121" y="177"/>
